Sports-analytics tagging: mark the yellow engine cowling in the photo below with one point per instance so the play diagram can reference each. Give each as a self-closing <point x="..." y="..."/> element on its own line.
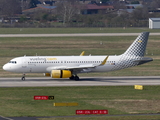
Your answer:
<point x="47" y="74"/>
<point x="61" y="74"/>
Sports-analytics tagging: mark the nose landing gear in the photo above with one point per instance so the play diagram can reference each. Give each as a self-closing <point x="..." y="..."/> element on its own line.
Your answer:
<point x="23" y="77"/>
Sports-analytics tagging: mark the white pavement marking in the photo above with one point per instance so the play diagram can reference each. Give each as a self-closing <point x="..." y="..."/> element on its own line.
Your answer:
<point x="6" y="118"/>
<point x="73" y="35"/>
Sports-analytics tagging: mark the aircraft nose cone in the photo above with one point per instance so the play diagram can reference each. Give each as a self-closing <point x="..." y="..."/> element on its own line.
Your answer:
<point x="5" y="67"/>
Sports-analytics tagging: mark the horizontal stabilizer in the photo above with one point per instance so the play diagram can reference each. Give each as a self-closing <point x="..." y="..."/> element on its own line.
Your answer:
<point x="143" y="60"/>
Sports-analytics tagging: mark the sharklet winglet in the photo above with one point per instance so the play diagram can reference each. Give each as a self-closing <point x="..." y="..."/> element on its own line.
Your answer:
<point x="104" y="61"/>
<point x="82" y="53"/>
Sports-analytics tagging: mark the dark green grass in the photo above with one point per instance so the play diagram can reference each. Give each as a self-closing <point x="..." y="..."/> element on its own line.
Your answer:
<point x="72" y="30"/>
<point x="11" y="47"/>
<point x="20" y="102"/>
<point x="155" y="117"/>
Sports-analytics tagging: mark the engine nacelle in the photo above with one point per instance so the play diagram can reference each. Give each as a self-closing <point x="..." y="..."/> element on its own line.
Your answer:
<point x="61" y="74"/>
<point x="47" y="74"/>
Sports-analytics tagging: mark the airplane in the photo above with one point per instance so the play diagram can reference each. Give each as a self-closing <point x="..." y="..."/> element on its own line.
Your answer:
<point x="70" y="66"/>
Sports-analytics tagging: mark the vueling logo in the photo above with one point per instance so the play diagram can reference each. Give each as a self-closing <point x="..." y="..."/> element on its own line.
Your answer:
<point x="140" y="41"/>
<point x="37" y="59"/>
<point x="43" y="59"/>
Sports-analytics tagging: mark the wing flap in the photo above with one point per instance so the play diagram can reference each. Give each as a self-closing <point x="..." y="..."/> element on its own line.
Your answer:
<point x="70" y="67"/>
<point x="82" y="66"/>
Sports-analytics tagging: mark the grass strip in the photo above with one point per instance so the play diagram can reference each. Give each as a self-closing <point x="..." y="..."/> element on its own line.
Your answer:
<point x="107" y="118"/>
<point x="117" y="99"/>
<point x="73" y="30"/>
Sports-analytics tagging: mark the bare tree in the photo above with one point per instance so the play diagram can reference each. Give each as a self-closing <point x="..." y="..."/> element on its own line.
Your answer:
<point x="117" y="5"/>
<point x="155" y="4"/>
<point x="10" y="7"/>
<point x="139" y="16"/>
<point x="33" y="3"/>
<point x="66" y="9"/>
<point x="25" y="4"/>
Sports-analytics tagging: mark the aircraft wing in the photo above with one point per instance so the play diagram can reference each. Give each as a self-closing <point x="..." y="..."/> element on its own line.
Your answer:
<point x="82" y="66"/>
<point x="76" y="68"/>
<point x="71" y="67"/>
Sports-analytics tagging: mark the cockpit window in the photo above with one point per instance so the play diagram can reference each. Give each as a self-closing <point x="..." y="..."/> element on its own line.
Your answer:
<point x="14" y="62"/>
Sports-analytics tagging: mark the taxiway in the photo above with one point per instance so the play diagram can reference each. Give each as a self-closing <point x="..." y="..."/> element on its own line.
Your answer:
<point x="84" y="81"/>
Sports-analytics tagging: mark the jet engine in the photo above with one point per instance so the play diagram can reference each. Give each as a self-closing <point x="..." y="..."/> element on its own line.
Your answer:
<point x="61" y="74"/>
<point x="47" y="74"/>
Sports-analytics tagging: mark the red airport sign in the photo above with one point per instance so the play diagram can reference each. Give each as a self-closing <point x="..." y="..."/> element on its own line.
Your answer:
<point x="43" y="97"/>
<point x="40" y="97"/>
<point x="79" y="112"/>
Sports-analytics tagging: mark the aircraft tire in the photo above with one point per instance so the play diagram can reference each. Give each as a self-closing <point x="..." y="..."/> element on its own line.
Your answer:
<point x="76" y="78"/>
<point x="72" y="77"/>
<point x="23" y="78"/>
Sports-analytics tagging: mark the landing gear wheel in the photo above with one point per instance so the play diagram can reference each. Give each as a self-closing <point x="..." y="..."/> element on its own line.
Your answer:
<point x="23" y="77"/>
<point x="76" y="78"/>
<point x="72" y="77"/>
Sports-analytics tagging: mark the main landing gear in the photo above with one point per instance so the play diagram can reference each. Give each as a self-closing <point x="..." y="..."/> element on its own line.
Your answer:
<point x="23" y="77"/>
<point x="74" y="77"/>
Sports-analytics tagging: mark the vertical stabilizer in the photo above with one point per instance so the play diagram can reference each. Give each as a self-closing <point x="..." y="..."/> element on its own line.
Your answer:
<point x="138" y="47"/>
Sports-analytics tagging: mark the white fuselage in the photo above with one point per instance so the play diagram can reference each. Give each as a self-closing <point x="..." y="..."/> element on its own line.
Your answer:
<point x="44" y="64"/>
